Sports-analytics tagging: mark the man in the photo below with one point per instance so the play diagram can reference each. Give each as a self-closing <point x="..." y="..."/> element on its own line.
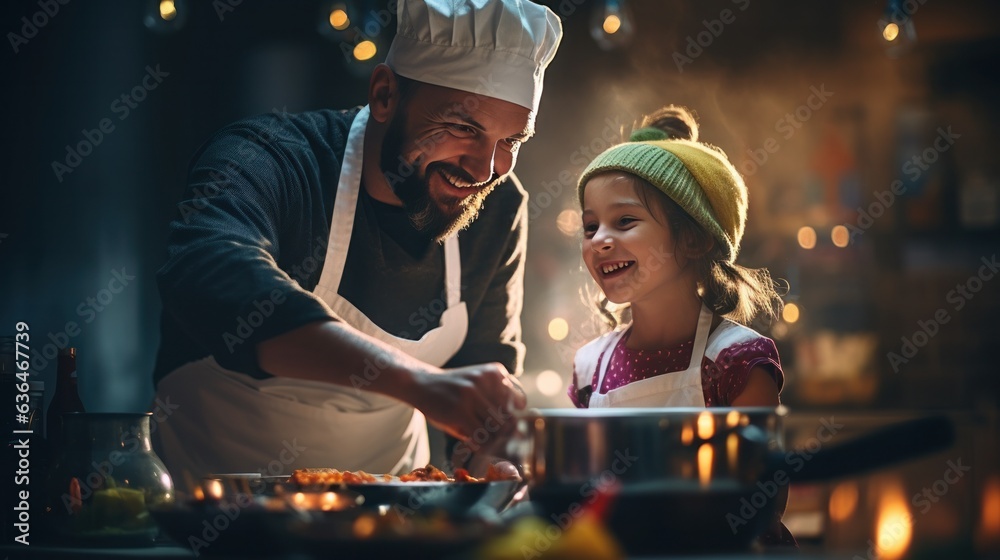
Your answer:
<point x="319" y="301"/>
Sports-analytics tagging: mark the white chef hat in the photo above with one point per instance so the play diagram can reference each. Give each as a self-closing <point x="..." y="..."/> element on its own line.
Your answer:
<point x="496" y="48"/>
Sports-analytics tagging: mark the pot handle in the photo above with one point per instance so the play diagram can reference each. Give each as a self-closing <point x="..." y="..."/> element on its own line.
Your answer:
<point x="881" y="448"/>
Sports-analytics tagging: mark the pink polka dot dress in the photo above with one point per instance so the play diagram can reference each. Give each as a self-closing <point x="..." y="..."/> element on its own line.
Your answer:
<point x="736" y="350"/>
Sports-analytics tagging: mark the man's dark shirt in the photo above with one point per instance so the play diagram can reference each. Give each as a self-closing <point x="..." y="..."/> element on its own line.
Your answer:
<point x="249" y="241"/>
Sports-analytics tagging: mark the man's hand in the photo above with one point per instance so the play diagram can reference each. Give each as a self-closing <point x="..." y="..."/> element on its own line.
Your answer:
<point x="469" y="403"/>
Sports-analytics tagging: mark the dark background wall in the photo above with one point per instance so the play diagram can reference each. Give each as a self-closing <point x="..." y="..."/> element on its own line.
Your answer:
<point x="811" y="160"/>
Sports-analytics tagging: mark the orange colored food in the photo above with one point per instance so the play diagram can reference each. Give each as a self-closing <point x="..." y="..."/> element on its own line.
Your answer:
<point x="430" y="473"/>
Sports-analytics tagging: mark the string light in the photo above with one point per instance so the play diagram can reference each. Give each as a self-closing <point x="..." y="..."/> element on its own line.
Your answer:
<point x="338" y="18"/>
<point x="165" y="16"/>
<point x="896" y="27"/>
<point x="611" y="25"/>
<point x="168" y="10"/>
<point x="365" y="50"/>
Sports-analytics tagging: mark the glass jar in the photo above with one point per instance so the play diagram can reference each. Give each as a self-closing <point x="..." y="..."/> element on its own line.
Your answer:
<point x="104" y="480"/>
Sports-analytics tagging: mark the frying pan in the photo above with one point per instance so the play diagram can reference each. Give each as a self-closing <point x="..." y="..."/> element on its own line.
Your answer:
<point x="406" y="498"/>
<point x="692" y="479"/>
<point x="239" y="525"/>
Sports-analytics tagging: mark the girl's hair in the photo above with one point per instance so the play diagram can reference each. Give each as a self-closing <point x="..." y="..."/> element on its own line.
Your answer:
<point x="730" y="290"/>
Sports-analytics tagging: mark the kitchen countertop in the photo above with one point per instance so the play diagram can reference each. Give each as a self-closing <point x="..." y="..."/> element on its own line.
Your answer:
<point x="174" y="551"/>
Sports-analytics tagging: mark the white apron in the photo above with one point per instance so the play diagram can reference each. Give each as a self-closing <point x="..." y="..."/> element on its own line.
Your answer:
<point x="675" y="389"/>
<point x="226" y="421"/>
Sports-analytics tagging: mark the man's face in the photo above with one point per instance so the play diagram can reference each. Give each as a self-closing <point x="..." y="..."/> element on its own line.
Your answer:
<point x="446" y="149"/>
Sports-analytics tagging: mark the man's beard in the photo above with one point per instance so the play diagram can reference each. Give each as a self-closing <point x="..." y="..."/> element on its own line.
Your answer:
<point x="437" y="219"/>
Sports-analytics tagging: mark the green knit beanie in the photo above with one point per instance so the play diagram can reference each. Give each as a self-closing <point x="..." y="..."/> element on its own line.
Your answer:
<point x="698" y="177"/>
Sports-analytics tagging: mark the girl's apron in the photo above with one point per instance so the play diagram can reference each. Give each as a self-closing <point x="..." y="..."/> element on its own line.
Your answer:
<point x="679" y="388"/>
<point x="225" y="421"/>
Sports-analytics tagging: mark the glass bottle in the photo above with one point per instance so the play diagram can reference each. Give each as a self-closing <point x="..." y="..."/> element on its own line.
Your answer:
<point x="105" y="480"/>
<point x="65" y="400"/>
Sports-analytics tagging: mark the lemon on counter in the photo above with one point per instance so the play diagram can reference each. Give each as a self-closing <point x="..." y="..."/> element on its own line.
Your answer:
<point x="533" y="537"/>
<point x="114" y="508"/>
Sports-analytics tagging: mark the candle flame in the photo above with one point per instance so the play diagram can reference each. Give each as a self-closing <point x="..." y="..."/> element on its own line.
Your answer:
<point x="991" y="508"/>
<point x="687" y="435"/>
<point x="705" y="453"/>
<point x="732" y="419"/>
<point x="364" y="527"/>
<point x="733" y="452"/>
<point x="894" y="528"/>
<point x="843" y="501"/>
<point x="328" y="501"/>
<point x="706" y="425"/>
<point x="215" y="489"/>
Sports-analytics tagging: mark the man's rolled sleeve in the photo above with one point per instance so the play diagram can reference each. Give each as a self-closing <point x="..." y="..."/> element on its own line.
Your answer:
<point x="221" y="282"/>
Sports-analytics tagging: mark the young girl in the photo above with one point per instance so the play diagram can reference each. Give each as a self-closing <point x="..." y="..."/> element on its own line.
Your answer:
<point x="663" y="216"/>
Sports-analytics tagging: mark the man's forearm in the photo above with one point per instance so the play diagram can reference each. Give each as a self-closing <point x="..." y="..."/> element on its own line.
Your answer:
<point x="334" y="352"/>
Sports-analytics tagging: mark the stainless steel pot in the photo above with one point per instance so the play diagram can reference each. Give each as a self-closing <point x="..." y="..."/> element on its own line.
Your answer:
<point x="680" y="476"/>
<point x="698" y="447"/>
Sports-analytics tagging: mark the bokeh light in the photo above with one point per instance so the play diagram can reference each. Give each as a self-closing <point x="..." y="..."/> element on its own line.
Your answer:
<point x="339" y="19"/>
<point x="168" y="10"/>
<point x="549" y="383"/>
<point x="790" y="313"/>
<point x="840" y="236"/>
<point x="807" y="237"/>
<point x="364" y="50"/>
<point x="569" y="222"/>
<point x="558" y="329"/>
<point x="612" y="24"/>
<point x="890" y="32"/>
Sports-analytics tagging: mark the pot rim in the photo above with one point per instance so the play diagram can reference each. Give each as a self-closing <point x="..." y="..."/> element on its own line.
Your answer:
<point x="669" y="412"/>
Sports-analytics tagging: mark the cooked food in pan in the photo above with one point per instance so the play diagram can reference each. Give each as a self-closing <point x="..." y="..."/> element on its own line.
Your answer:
<point x="430" y="473"/>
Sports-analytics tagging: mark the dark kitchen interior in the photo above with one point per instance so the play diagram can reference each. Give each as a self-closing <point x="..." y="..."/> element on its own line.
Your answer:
<point x="874" y="192"/>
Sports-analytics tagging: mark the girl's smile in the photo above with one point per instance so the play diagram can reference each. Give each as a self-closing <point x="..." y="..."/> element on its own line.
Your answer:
<point x="627" y="249"/>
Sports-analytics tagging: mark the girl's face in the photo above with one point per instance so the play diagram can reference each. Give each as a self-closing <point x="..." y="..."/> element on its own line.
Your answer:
<point x="627" y="249"/>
